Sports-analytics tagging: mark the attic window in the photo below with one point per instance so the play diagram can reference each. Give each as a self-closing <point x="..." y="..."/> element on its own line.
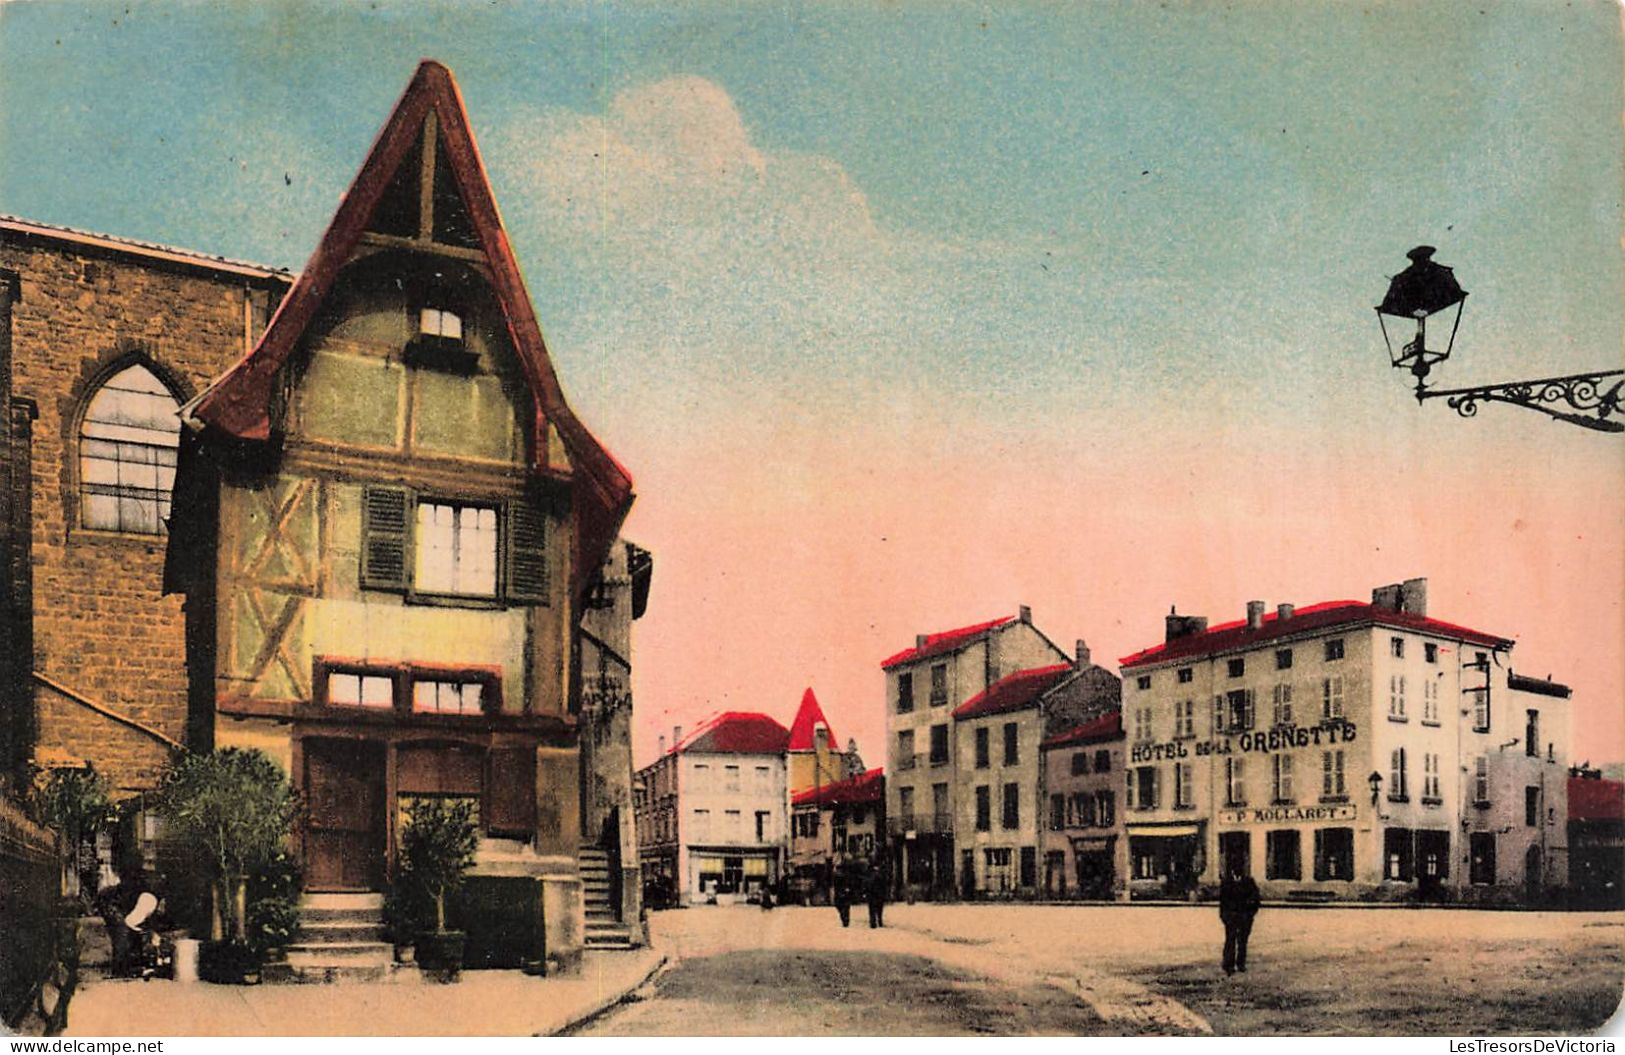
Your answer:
<point x="438" y="322"/>
<point x="439" y="342"/>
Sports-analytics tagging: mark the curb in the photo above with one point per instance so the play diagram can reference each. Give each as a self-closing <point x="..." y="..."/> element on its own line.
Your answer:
<point x="609" y="1003"/>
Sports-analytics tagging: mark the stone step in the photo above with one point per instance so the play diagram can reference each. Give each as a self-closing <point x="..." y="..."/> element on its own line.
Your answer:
<point x="342" y="954"/>
<point x="336" y="974"/>
<point x="371" y="902"/>
<point x="322" y="916"/>
<point x="345" y="931"/>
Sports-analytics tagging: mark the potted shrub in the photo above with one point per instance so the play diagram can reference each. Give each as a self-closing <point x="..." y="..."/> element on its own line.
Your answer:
<point x="75" y="804"/>
<point x="437" y="848"/>
<point x="234" y="808"/>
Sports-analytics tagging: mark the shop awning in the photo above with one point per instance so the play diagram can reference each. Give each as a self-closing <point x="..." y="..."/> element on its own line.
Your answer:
<point x="1163" y="831"/>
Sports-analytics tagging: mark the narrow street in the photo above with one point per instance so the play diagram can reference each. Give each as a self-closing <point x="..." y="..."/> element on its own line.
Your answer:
<point x="1020" y="970"/>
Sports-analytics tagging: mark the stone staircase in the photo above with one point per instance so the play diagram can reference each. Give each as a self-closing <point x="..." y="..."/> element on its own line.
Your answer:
<point x="603" y="930"/>
<point x="340" y="940"/>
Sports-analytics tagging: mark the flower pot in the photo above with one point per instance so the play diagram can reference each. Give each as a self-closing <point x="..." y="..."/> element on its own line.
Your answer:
<point x="440" y="954"/>
<point x="228" y="963"/>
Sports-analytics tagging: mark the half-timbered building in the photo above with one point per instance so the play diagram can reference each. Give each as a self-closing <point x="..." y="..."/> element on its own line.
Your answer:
<point x="389" y="526"/>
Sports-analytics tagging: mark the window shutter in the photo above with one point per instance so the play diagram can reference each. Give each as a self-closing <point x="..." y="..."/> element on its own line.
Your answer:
<point x="384" y="538"/>
<point x="527" y="553"/>
<point x="1320" y="854"/>
<point x="1218" y="715"/>
<point x="1250" y="698"/>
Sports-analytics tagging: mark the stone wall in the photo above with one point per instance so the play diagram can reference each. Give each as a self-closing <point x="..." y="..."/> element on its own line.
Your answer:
<point x="102" y="628"/>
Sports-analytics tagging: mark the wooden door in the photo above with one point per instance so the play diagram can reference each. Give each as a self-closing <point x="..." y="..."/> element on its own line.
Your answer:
<point x="344" y="829"/>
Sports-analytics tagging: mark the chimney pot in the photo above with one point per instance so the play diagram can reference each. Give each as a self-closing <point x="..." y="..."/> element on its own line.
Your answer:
<point x="676" y="736"/>
<point x="1026" y="614"/>
<point x="1283" y="612"/>
<point x="1083" y="652"/>
<point x="1255" y="614"/>
<point x="1413" y="596"/>
<point x="662" y="743"/>
<point x="920" y="640"/>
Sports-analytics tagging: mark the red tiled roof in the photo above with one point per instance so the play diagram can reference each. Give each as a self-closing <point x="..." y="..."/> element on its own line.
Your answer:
<point x="946" y="641"/>
<point x="1227" y="637"/>
<point x="1596" y="800"/>
<point x="1106" y="727"/>
<point x="238" y="404"/>
<point x="1013" y="692"/>
<point x="863" y="788"/>
<point x="808" y="718"/>
<point x="736" y="733"/>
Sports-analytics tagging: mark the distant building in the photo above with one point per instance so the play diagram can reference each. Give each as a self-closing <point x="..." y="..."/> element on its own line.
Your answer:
<point x="813" y="759"/>
<point x="924" y="684"/>
<point x="1085" y="852"/>
<point x="712" y="813"/>
<point x="845" y="820"/>
<point x="1596" y="827"/>
<point x="999" y="791"/>
<point x="1343" y="749"/>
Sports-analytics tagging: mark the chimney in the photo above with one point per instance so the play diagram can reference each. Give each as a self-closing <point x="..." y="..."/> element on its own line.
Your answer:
<point x="676" y="736"/>
<point x="1178" y="626"/>
<point x="1386" y="597"/>
<point x="1255" y="615"/>
<point x="821" y="739"/>
<point x="1083" y="654"/>
<point x="662" y="744"/>
<point x="921" y="639"/>
<point x="1026" y="615"/>
<point x="1413" y="596"/>
<point x="1283" y="612"/>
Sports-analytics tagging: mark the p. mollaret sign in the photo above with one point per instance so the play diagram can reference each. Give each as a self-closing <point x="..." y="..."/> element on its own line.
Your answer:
<point x="1267" y="741"/>
<point x="1286" y="814"/>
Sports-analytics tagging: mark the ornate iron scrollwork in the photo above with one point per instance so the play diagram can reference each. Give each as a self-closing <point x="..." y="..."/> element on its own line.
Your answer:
<point x="1593" y="407"/>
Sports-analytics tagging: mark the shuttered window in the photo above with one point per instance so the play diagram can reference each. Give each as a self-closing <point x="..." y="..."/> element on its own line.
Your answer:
<point x="454" y="550"/>
<point x="384" y="538"/>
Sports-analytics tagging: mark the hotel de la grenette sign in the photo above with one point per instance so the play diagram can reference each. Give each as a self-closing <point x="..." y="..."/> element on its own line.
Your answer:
<point x="1261" y="741"/>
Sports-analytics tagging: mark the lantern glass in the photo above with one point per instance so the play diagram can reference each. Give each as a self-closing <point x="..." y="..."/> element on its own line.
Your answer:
<point x="1423" y="290"/>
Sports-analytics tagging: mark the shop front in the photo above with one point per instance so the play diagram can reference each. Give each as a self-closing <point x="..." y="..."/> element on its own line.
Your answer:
<point x="1165" y="860"/>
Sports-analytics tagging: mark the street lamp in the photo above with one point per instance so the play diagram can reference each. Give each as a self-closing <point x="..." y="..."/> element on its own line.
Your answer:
<point x="1375" y="780"/>
<point x="1425" y="289"/>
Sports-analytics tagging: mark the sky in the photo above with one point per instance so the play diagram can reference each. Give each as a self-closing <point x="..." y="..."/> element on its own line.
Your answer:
<point x="905" y="314"/>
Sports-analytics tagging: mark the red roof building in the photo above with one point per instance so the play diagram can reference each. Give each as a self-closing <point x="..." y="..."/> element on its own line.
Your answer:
<point x="946" y="641"/>
<point x="1014" y="692"/>
<point x="1106" y="727"/>
<point x="1596" y="800"/>
<point x="1237" y="636"/>
<point x="736" y="733"/>
<point x="868" y="787"/>
<point x="808" y="718"/>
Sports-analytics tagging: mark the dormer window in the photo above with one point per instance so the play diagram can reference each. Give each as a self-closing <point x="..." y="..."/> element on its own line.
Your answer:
<point x="438" y="342"/>
<point x="438" y="322"/>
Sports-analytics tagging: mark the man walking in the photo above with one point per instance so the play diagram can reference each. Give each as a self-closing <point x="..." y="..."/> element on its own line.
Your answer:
<point x="843" y="892"/>
<point x="875" y="893"/>
<point x="1238" y="904"/>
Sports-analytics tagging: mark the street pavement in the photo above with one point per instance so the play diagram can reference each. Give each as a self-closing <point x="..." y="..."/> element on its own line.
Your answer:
<point x="1135" y="970"/>
<point x="484" y="1003"/>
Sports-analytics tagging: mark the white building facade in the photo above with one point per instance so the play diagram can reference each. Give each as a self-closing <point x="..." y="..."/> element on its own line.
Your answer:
<point x="1344" y="750"/>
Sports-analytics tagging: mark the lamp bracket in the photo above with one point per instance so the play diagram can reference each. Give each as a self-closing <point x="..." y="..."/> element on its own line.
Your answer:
<point x="1592" y="407"/>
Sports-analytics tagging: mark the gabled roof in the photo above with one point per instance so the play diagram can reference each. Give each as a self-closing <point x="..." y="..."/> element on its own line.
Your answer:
<point x="1108" y="726"/>
<point x="945" y="642"/>
<point x="861" y="789"/>
<point x="736" y="733"/>
<point x="1329" y="615"/>
<point x="808" y="718"/>
<point x="1014" y="691"/>
<point x="239" y="403"/>
<point x="1596" y="800"/>
<point x="21" y="227"/>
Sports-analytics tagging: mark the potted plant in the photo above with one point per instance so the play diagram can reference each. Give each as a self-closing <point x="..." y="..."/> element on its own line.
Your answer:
<point x="437" y="848"/>
<point x="76" y="805"/>
<point x="234" y="808"/>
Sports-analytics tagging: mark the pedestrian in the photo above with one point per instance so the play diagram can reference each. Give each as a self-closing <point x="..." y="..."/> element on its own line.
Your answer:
<point x="843" y="892"/>
<point x="875" y="894"/>
<point x="1238" y="904"/>
<point x="124" y="907"/>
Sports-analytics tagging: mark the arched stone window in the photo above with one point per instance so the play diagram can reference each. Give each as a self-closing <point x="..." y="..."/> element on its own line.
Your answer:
<point x="127" y="445"/>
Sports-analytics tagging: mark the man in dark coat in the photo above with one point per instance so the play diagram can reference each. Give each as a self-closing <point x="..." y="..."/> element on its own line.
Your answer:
<point x="843" y="892"/>
<point x="1238" y="904"/>
<point x="125" y="907"/>
<point x="874" y="891"/>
